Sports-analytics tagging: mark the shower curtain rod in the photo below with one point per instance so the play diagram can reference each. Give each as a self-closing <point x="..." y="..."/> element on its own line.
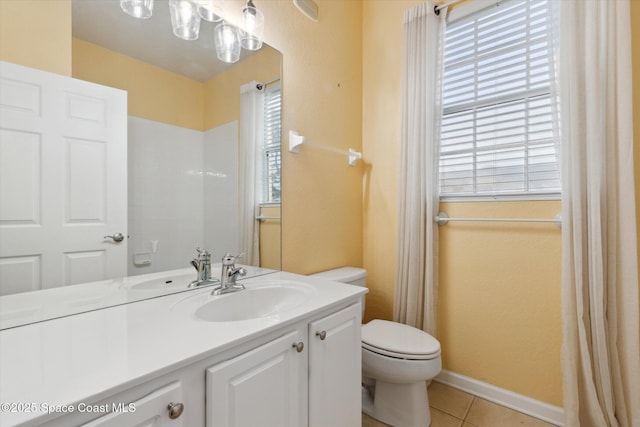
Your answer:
<point x="442" y="219"/>
<point x="436" y="8"/>
<point x="259" y="86"/>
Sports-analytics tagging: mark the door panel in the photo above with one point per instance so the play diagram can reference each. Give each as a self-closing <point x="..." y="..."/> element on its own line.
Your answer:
<point x="264" y="387"/>
<point x="63" y="180"/>
<point x="336" y="375"/>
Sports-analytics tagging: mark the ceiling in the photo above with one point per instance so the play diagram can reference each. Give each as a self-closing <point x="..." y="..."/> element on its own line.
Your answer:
<point x="102" y="22"/>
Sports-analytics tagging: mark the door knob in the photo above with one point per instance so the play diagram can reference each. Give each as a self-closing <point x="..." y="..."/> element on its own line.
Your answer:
<point x="322" y="335"/>
<point x="175" y="410"/>
<point x="299" y="346"/>
<point x="118" y="237"/>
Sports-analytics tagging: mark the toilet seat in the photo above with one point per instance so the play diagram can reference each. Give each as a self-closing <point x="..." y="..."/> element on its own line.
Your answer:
<point x="399" y="341"/>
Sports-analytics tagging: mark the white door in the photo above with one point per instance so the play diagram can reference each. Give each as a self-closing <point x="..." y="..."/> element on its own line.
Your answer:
<point x="335" y="377"/>
<point x="162" y="408"/>
<point x="63" y="180"/>
<point x="265" y="387"/>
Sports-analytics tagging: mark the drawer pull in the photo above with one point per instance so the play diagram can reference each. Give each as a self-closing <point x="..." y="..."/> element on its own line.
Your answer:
<point x="175" y="410"/>
<point x="322" y="335"/>
<point x="298" y="346"/>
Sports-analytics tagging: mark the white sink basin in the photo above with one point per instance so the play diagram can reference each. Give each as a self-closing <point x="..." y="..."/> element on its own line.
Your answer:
<point x="259" y="300"/>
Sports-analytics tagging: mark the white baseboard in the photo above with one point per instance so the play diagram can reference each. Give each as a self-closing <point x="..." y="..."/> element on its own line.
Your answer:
<point x="544" y="411"/>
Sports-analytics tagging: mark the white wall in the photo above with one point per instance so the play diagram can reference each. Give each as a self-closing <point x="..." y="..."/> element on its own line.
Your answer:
<point x="165" y="194"/>
<point x="183" y="193"/>
<point x="221" y="189"/>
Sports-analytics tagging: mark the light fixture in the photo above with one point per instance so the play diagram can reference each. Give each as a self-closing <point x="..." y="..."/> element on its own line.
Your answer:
<point x="210" y="10"/>
<point x="227" y="42"/>
<point x="251" y="33"/>
<point x="142" y="9"/>
<point x="184" y="19"/>
<point x="308" y="7"/>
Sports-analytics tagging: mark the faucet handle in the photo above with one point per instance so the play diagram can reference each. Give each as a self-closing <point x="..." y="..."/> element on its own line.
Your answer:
<point x="229" y="259"/>
<point x="203" y="254"/>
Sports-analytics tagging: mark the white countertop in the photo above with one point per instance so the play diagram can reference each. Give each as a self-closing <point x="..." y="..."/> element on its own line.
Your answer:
<point x="35" y="306"/>
<point x="88" y="356"/>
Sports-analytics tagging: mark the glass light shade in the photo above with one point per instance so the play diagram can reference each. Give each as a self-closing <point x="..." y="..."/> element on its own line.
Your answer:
<point x="227" y="43"/>
<point x="184" y="19"/>
<point x="251" y="33"/>
<point x="210" y="10"/>
<point x="142" y="9"/>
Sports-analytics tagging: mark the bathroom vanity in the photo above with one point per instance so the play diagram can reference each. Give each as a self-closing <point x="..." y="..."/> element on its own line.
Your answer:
<point x="283" y="352"/>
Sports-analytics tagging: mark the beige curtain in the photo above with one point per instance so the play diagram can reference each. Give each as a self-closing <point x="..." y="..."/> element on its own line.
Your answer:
<point x="250" y="170"/>
<point x="416" y="289"/>
<point x="601" y="359"/>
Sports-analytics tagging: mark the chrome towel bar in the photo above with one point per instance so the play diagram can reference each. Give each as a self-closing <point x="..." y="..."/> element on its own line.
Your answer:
<point x="263" y="218"/>
<point x="442" y="219"/>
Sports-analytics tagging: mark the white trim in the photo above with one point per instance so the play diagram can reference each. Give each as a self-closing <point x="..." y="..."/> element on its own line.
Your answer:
<point x="469" y="8"/>
<point x="502" y="198"/>
<point x="518" y="402"/>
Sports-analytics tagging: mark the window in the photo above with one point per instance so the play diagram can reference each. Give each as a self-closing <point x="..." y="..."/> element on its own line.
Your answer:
<point x="271" y="149"/>
<point x="499" y="126"/>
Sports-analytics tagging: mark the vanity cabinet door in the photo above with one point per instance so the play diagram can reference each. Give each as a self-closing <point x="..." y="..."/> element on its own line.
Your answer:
<point x="264" y="387"/>
<point x="335" y="377"/>
<point x="154" y="410"/>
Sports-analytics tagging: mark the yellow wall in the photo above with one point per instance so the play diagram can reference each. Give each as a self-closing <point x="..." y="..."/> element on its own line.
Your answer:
<point x="500" y="285"/>
<point x="270" y="238"/>
<point x="160" y="95"/>
<point x="263" y="66"/>
<point x="499" y="308"/>
<point x="36" y="34"/>
<point x="635" y="57"/>
<point x="322" y="89"/>
<point x="152" y="92"/>
<point x="326" y="65"/>
<point x="322" y="100"/>
<point x="494" y="307"/>
<point x="381" y="57"/>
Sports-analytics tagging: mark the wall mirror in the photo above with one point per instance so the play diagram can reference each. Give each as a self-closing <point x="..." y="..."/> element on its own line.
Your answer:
<point x="184" y="165"/>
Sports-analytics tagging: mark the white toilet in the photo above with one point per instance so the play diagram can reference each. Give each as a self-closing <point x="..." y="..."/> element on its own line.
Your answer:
<point x="397" y="361"/>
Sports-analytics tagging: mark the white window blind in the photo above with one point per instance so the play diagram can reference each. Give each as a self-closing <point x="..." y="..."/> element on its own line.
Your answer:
<point x="499" y="126"/>
<point x="271" y="149"/>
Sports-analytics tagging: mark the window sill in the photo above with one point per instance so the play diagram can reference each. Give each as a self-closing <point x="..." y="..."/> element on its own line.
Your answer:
<point x="502" y="198"/>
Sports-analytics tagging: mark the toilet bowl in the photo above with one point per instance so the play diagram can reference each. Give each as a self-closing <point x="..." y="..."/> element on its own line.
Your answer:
<point x="397" y="362"/>
<point x="400" y="360"/>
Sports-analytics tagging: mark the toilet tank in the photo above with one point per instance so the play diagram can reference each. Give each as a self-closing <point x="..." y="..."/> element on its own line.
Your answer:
<point x="351" y="275"/>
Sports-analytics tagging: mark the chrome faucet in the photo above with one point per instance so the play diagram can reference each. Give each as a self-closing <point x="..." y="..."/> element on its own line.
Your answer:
<point x="202" y="264"/>
<point x="229" y="275"/>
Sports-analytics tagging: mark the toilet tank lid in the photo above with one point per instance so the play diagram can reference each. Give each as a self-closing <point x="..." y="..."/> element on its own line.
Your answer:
<point x="343" y="274"/>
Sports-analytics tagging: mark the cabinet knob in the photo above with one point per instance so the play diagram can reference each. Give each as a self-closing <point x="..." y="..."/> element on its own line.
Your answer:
<point x="175" y="410"/>
<point x="322" y="335"/>
<point x="298" y="346"/>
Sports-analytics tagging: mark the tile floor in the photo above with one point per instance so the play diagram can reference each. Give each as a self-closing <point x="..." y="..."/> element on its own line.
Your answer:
<point x="454" y="408"/>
